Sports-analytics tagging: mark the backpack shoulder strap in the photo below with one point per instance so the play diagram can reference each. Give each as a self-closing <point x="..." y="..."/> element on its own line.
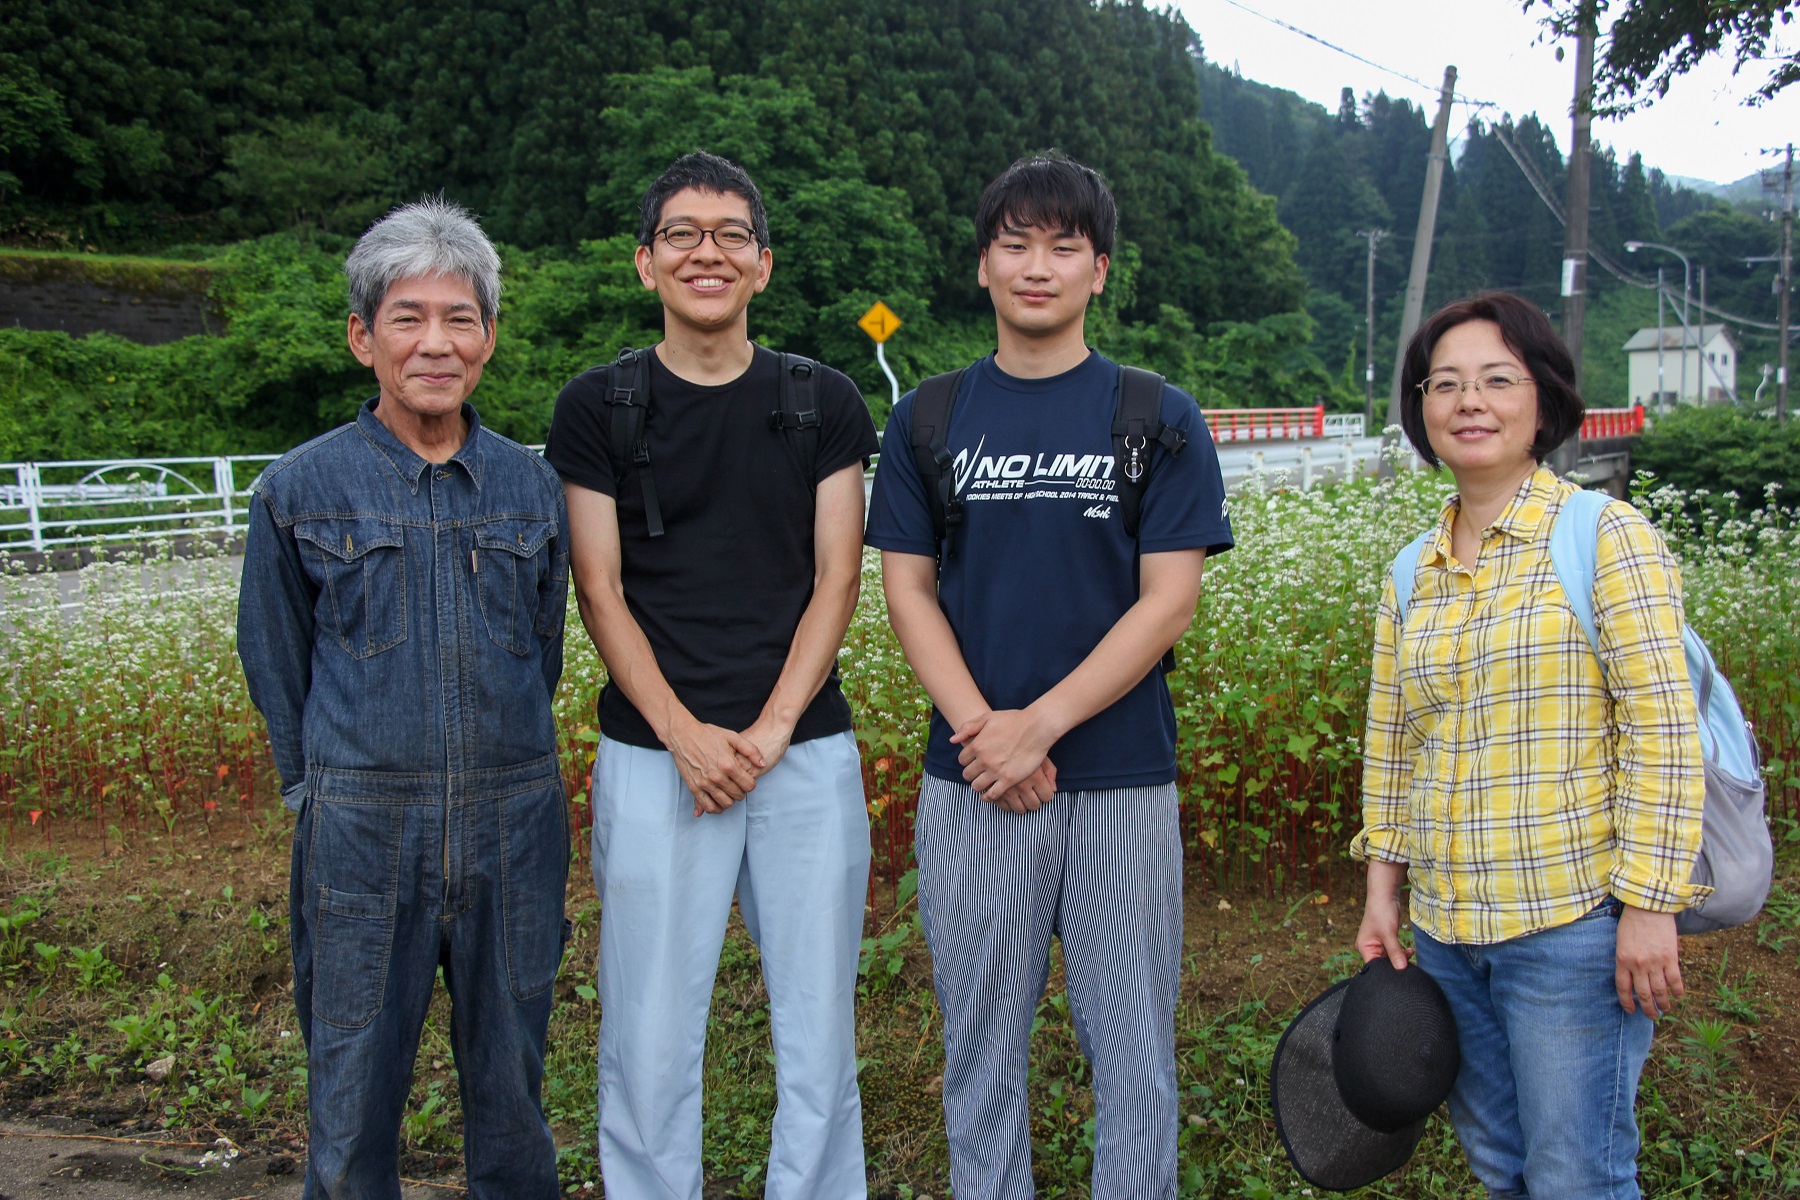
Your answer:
<point x="797" y="415"/>
<point x="1405" y="574"/>
<point x="627" y="396"/>
<point x="932" y="402"/>
<point x="1137" y="423"/>
<point x="1574" y="549"/>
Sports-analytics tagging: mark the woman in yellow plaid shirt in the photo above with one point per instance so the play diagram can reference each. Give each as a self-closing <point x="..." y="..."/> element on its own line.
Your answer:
<point x="1546" y="822"/>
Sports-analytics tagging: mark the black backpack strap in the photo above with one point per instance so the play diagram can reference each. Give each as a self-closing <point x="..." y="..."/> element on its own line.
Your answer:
<point x="932" y="402"/>
<point x="627" y="397"/>
<point x="1137" y="430"/>
<point x="798" y="415"/>
<point x="1137" y="426"/>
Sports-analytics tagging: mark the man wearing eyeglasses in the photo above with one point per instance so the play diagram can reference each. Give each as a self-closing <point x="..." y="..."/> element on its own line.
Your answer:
<point x="717" y="569"/>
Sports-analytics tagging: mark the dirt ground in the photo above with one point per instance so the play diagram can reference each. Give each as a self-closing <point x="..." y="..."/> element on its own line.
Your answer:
<point x="63" y="1157"/>
<point x="90" y="1140"/>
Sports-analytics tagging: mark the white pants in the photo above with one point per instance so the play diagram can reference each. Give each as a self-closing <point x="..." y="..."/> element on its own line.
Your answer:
<point x="796" y="853"/>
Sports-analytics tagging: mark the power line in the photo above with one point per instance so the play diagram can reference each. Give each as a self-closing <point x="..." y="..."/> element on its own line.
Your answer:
<point x="1607" y="263"/>
<point x="1367" y="62"/>
<point x="1538" y="185"/>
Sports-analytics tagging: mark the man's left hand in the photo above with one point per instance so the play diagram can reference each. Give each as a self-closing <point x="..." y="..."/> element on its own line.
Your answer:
<point x="772" y="738"/>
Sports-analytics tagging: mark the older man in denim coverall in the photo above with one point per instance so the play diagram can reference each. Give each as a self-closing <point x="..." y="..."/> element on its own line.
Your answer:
<point x="400" y="625"/>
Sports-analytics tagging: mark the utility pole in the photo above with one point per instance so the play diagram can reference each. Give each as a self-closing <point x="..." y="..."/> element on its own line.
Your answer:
<point x="1374" y="237"/>
<point x="1662" y="402"/>
<point x="1575" y="239"/>
<point x="1421" y="255"/>
<point x="1700" y="337"/>
<point x="1787" y="282"/>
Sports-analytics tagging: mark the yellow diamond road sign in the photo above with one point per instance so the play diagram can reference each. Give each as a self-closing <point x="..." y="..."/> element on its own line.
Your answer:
<point x="879" y="322"/>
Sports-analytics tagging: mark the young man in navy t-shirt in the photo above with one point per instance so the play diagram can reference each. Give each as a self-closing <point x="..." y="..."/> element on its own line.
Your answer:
<point x="1049" y="803"/>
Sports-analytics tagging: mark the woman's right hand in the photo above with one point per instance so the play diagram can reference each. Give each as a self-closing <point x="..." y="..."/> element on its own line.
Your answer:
<point x="1379" y="935"/>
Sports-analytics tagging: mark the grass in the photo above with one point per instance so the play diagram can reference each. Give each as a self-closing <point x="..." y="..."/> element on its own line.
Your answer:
<point x="113" y="964"/>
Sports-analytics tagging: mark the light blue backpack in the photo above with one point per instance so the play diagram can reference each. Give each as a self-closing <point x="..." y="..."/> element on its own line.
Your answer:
<point x="1737" y="856"/>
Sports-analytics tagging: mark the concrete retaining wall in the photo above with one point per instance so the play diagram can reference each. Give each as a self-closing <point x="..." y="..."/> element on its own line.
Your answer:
<point x="151" y="304"/>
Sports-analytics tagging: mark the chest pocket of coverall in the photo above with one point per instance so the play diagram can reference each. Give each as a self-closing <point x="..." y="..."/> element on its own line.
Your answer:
<point x="359" y="565"/>
<point x="514" y="555"/>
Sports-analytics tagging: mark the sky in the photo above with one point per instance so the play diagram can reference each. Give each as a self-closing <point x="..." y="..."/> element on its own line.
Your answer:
<point x="1503" y="55"/>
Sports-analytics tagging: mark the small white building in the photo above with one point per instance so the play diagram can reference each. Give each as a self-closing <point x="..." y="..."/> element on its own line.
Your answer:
<point x="1679" y="371"/>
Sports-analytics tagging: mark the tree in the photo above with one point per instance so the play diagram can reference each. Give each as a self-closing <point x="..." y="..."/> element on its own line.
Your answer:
<point x="1654" y="42"/>
<point x="307" y="175"/>
<point x="38" y="147"/>
<point x="1637" y="212"/>
<point x="1327" y="204"/>
<point x="1721" y="239"/>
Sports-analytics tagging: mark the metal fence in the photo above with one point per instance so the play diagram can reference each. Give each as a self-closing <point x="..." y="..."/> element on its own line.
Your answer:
<point x="50" y="504"/>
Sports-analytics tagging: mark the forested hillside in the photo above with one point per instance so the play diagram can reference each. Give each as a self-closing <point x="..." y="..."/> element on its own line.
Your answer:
<point x="1363" y="168"/>
<point x="872" y="127"/>
<point x="261" y="138"/>
<point x="548" y="116"/>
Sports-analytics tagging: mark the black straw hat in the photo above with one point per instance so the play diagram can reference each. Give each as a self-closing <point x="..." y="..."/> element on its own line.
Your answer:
<point x="1357" y="1073"/>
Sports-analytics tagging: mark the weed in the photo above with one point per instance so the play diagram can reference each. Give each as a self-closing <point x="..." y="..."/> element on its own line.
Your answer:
<point x="260" y="924"/>
<point x="426" y="1122"/>
<point x="12" y="930"/>
<point x="883" y="954"/>
<point x="48" y="957"/>
<point x="1736" y="1002"/>
<point x="1780" y="922"/>
<point x="1706" y="1048"/>
<point x="93" y="970"/>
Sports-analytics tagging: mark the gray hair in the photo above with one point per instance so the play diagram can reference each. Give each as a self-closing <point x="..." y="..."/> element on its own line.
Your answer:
<point x="429" y="237"/>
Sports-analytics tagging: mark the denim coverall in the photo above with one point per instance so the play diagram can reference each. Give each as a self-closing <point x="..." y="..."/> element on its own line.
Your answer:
<point x="400" y="624"/>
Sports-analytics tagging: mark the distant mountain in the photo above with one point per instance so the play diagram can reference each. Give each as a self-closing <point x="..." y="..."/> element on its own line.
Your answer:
<point x="1749" y="189"/>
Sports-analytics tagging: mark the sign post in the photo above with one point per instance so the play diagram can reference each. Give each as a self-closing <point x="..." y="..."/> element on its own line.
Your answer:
<point x="879" y="323"/>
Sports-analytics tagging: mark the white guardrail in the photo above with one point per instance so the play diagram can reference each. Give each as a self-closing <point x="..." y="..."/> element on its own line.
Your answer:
<point x="49" y="504"/>
<point x="44" y="505"/>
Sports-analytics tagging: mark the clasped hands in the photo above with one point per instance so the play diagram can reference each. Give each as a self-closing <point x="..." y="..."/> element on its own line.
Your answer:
<point x="720" y="766"/>
<point x="1005" y="759"/>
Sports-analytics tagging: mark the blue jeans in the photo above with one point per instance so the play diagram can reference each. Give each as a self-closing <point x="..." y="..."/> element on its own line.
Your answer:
<point x="1550" y="1062"/>
<point x="796" y="853"/>
<point x="397" y="875"/>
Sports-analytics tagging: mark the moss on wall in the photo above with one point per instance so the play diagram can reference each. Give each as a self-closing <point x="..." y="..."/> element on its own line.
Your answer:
<point x="153" y="276"/>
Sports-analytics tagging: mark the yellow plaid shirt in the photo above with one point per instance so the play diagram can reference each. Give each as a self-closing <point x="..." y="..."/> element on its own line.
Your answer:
<point x="1499" y="765"/>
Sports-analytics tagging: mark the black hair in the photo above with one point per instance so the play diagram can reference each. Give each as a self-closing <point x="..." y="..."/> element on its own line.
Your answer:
<point x="1048" y="191"/>
<point x="1528" y="333"/>
<point x="704" y="173"/>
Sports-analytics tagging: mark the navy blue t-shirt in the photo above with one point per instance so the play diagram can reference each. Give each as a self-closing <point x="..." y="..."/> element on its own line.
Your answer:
<point x="1041" y="568"/>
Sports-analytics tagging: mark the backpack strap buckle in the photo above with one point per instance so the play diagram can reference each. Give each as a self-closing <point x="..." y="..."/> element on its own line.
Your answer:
<point x="804" y="419"/>
<point x="1134" y="462"/>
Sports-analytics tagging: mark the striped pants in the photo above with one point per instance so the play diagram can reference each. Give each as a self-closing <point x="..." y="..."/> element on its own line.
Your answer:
<point x="1102" y="871"/>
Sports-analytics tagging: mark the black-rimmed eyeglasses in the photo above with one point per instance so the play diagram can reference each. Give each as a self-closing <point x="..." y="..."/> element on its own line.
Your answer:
<point x="689" y="237"/>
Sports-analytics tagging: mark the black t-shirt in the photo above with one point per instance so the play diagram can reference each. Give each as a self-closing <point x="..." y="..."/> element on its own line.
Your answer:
<point x="721" y="593"/>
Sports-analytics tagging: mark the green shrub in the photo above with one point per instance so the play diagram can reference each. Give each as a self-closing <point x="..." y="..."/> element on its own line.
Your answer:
<point x="1723" y="450"/>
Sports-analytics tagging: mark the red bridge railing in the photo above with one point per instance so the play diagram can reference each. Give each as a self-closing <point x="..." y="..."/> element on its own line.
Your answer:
<point x="1260" y="424"/>
<point x="1293" y="424"/>
<point x="1613" y="422"/>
